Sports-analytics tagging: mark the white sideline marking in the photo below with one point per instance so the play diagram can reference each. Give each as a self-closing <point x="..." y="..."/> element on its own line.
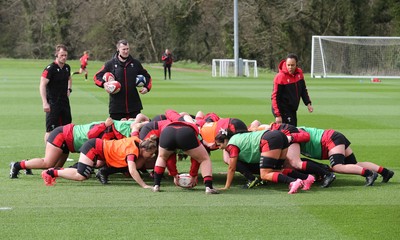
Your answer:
<point x="5" y="208"/>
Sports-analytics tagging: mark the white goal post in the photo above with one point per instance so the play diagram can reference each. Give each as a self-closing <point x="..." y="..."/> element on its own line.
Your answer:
<point x="355" y="57"/>
<point x="226" y="67"/>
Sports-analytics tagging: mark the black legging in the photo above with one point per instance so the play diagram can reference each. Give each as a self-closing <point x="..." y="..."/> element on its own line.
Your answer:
<point x="167" y="66"/>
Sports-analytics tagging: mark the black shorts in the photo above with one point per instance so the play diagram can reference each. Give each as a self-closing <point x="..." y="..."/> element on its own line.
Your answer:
<point x="272" y="140"/>
<point x="93" y="149"/>
<point x="58" y="116"/>
<point x="119" y="116"/>
<point x="57" y="139"/>
<point x="339" y="139"/>
<point x="179" y="137"/>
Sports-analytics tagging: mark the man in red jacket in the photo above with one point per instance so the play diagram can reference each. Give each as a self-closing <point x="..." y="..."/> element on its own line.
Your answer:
<point x="289" y="86"/>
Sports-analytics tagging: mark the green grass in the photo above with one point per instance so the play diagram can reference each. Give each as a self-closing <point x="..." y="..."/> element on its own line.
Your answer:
<point x="367" y="113"/>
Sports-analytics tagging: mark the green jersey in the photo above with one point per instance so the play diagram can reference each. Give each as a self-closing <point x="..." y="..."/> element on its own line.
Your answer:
<point x="312" y="148"/>
<point x="124" y="127"/>
<point x="249" y="145"/>
<point x="80" y="134"/>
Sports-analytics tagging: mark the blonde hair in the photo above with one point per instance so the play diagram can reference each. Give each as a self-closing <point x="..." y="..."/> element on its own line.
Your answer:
<point x="60" y="47"/>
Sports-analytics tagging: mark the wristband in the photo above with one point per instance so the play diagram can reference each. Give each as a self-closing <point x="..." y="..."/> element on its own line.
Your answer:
<point x="70" y="90"/>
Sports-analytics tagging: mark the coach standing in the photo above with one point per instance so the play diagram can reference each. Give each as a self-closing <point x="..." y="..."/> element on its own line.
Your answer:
<point x="167" y="63"/>
<point x="55" y="89"/>
<point x="126" y="103"/>
<point x="289" y="86"/>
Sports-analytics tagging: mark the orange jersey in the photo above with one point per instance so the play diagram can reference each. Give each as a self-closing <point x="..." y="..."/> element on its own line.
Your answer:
<point x="209" y="131"/>
<point x="117" y="151"/>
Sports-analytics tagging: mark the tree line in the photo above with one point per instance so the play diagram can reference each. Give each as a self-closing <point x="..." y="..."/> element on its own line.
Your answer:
<point x="196" y="30"/>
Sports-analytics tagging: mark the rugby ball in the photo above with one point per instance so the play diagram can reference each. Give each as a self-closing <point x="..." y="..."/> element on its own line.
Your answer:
<point x="108" y="77"/>
<point x="113" y="87"/>
<point x="184" y="180"/>
<point x="140" y="80"/>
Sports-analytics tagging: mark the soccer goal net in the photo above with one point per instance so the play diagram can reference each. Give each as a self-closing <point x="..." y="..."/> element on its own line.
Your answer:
<point x="355" y="57"/>
<point x="226" y="68"/>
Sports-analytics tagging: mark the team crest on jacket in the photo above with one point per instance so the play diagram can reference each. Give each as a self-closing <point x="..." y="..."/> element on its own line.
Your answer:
<point x="131" y="64"/>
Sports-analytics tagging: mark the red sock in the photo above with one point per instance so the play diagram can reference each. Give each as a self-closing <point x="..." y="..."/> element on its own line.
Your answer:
<point x="22" y="164"/>
<point x="159" y="170"/>
<point x="287" y="171"/>
<point x="275" y="177"/>
<point x="207" y="178"/>
<point x="304" y="166"/>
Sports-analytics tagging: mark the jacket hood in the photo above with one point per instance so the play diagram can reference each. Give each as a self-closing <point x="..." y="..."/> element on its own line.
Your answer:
<point x="282" y="66"/>
<point x="283" y="69"/>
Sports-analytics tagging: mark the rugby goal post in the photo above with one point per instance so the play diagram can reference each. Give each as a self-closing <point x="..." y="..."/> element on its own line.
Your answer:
<point x="226" y="67"/>
<point x="355" y="57"/>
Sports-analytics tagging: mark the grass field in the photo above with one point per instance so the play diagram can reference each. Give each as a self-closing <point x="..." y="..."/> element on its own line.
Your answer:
<point x="367" y="113"/>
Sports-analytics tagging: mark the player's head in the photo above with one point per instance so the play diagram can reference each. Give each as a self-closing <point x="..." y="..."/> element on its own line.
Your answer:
<point x="149" y="146"/>
<point x="291" y="62"/>
<point x="123" y="49"/>
<point x="61" y="53"/>
<point x="223" y="137"/>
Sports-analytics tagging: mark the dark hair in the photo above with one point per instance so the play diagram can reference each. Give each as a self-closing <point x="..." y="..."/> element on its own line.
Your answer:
<point x="123" y="42"/>
<point x="292" y="55"/>
<point x="222" y="135"/>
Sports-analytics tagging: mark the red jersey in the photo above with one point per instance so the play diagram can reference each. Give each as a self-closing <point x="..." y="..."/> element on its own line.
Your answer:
<point x="84" y="60"/>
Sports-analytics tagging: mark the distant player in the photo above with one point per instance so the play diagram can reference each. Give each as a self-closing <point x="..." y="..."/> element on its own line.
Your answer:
<point x="84" y="62"/>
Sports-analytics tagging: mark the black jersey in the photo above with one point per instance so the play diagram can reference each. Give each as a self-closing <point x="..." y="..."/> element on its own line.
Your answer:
<point x="57" y="87"/>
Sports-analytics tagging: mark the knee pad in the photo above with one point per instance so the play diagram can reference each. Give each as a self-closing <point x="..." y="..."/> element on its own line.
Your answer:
<point x="351" y="159"/>
<point x="84" y="170"/>
<point x="268" y="162"/>
<point x="335" y="159"/>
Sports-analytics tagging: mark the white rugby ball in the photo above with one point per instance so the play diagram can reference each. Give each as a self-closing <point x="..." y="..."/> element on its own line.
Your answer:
<point x="113" y="87"/>
<point x="184" y="180"/>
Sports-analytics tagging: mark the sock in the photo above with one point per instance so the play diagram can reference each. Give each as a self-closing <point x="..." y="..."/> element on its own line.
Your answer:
<point x="313" y="168"/>
<point x="383" y="171"/>
<point x="365" y="172"/>
<point x="158" y="174"/>
<point x="86" y="76"/>
<point x="208" y="181"/>
<point x="75" y="73"/>
<point x="284" y="179"/>
<point x="321" y="165"/>
<point x="294" y="174"/>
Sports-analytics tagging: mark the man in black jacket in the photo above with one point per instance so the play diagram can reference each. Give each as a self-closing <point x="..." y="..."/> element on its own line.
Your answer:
<point x="126" y="103"/>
